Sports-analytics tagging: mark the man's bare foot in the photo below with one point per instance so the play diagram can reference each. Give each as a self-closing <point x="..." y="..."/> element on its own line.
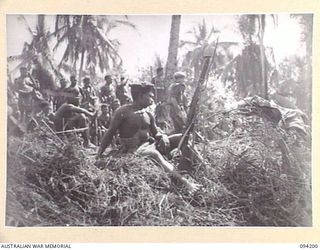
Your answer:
<point x="193" y="187"/>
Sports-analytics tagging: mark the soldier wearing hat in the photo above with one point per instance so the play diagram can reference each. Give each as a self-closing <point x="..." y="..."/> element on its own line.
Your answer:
<point x="138" y="132"/>
<point x="178" y="102"/>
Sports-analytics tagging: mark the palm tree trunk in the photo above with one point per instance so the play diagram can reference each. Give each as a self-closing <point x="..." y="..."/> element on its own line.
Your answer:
<point x="41" y="28"/>
<point x="81" y="64"/>
<point x="308" y="26"/>
<point x="264" y="82"/>
<point x="171" y="65"/>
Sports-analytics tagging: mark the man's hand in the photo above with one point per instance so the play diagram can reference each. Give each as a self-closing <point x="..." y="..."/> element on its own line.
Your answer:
<point x="163" y="142"/>
<point x="91" y="114"/>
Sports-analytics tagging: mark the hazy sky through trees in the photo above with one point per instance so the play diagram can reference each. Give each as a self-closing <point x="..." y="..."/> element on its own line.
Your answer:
<point x="140" y="47"/>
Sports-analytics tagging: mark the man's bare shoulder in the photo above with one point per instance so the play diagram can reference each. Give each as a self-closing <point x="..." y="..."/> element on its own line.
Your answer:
<point x="121" y="111"/>
<point x="66" y="106"/>
<point x="124" y="109"/>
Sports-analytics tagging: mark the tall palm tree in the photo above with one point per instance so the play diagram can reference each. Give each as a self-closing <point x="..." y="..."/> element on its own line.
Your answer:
<point x="204" y="36"/>
<point x="251" y="67"/>
<point x="37" y="52"/>
<point x="201" y="38"/>
<point x="87" y="40"/>
<point x="306" y="22"/>
<point x="172" y="61"/>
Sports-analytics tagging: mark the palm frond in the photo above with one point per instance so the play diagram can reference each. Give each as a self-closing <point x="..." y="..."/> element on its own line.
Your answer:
<point x="65" y="55"/>
<point x="22" y="17"/>
<point x="274" y="19"/>
<point x="183" y="43"/>
<point x="101" y="62"/>
<point x="15" y="58"/>
<point x="126" y="23"/>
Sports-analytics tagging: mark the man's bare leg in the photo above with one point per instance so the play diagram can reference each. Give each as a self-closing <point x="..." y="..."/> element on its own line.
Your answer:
<point x="150" y="151"/>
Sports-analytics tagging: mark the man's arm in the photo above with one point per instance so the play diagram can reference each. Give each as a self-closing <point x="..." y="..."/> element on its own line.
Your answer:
<point x="175" y="105"/>
<point x="80" y="110"/>
<point x="116" y="120"/>
<point x="100" y="93"/>
<point x="16" y="85"/>
<point x="158" y="134"/>
<point x="185" y="102"/>
<point x="153" y="81"/>
<point x="153" y="127"/>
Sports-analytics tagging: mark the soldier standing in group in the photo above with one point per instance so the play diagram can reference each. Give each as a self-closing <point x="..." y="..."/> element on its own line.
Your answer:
<point x="60" y="97"/>
<point x="160" y="99"/>
<point x="106" y="93"/>
<point x="159" y="85"/>
<point x="178" y="102"/>
<point x="89" y="95"/>
<point x="74" y="90"/>
<point x="24" y="87"/>
<point x="121" y="92"/>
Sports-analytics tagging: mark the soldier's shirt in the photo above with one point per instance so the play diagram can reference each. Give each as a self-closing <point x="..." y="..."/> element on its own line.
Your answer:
<point x="104" y="120"/>
<point x="75" y="91"/>
<point x="158" y="81"/>
<point x="105" y="90"/>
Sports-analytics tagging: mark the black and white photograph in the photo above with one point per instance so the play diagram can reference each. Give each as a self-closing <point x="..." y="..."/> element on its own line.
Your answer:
<point x="159" y="120"/>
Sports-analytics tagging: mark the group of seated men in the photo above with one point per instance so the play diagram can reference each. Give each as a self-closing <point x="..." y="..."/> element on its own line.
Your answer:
<point x="72" y="101"/>
<point x="75" y="108"/>
<point x="67" y="105"/>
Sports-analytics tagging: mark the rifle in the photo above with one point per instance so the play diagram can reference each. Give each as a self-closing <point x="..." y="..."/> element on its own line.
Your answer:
<point x="209" y="55"/>
<point x="95" y="128"/>
<point x="75" y="130"/>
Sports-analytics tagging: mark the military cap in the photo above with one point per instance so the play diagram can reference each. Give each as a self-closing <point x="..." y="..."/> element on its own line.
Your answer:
<point x="179" y="74"/>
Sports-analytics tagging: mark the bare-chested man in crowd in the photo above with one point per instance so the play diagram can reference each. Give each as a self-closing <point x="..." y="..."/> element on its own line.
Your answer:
<point x="138" y="132"/>
<point x="71" y="116"/>
<point x="74" y="90"/>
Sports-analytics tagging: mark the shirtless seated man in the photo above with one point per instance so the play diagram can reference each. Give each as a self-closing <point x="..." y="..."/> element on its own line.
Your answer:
<point x="70" y="116"/>
<point x="138" y="132"/>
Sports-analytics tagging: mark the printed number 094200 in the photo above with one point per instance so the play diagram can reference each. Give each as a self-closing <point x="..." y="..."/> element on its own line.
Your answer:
<point x="308" y="245"/>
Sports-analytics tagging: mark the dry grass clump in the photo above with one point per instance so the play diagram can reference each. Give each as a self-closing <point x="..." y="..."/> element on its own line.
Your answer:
<point x="265" y="170"/>
<point x="254" y="174"/>
<point x="57" y="183"/>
